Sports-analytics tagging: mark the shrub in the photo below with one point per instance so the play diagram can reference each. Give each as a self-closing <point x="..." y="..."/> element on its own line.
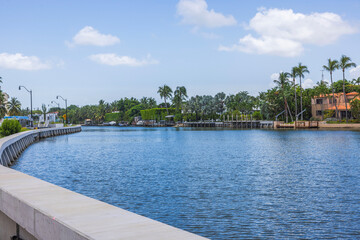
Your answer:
<point x="329" y="114"/>
<point x="355" y="108"/>
<point x="10" y="126"/>
<point x="257" y="115"/>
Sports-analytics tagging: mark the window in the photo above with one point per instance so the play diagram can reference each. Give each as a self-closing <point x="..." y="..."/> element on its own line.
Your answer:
<point x="319" y="101"/>
<point x="331" y="101"/>
<point x="319" y="113"/>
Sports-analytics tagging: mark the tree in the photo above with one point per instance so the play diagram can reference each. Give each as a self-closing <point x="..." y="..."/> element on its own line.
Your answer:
<point x="165" y="92"/>
<point x="282" y="82"/>
<point x="331" y="67"/>
<point x="44" y="111"/>
<point x="180" y="96"/>
<point x="345" y="63"/>
<point x="294" y="74"/>
<point x="2" y="105"/>
<point x="356" y="81"/>
<point x="355" y="108"/>
<point x="301" y="70"/>
<point x="14" y="106"/>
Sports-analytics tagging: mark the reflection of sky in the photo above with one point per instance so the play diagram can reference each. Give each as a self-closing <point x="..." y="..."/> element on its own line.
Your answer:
<point x="219" y="184"/>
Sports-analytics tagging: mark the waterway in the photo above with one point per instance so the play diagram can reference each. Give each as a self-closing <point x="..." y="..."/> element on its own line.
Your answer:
<point x="228" y="184"/>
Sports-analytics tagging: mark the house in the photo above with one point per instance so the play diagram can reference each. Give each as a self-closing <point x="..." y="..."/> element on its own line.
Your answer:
<point x="50" y="117"/>
<point x="325" y="102"/>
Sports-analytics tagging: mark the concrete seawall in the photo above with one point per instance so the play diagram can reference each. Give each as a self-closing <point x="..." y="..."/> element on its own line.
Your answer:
<point x="34" y="209"/>
<point x="12" y="146"/>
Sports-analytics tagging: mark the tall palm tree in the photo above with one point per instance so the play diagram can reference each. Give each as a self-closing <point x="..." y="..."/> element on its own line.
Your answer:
<point x="294" y="74"/>
<point x="165" y="92"/>
<point x="14" y="106"/>
<point x="345" y="62"/>
<point x="331" y="67"/>
<point x="181" y="94"/>
<point x="301" y="70"/>
<point x="356" y="81"/>
<point x="2" y="105"/>
<point x="282" y="82"/>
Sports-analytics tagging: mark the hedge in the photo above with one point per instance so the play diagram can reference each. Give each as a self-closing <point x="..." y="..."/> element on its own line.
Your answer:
<point x="156" y="113"/>
<point x="112" y="117"/>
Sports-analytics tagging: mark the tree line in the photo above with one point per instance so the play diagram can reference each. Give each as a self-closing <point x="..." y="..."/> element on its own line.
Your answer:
<point x="287" y="97"/>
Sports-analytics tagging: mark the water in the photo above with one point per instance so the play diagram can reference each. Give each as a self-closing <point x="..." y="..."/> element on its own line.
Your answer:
<point x="230" y="184"/>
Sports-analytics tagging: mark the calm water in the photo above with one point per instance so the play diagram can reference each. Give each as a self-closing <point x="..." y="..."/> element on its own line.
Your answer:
<point x="219" y="184"/>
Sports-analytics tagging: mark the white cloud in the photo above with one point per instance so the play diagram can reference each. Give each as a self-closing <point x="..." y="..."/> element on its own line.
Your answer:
<point x="308" y="83"/>
<point x="355" y="72"/>
<point x="266" y="45"/>
<point x="21" y="62"/>
<point x="283" y="32"/>
<point x="115" y="60"/>
<point x="195" y="12"/>
<point x="90" y="36"/>
<point x="274" y="76"/>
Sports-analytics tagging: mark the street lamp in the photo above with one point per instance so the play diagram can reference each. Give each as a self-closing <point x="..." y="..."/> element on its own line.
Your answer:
<point x="57" y="97"/>
<point x="52" y="102"/>
<point x="30" y="91"/>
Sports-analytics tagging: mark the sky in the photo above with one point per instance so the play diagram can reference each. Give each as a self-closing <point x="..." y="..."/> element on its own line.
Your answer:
<point x="85" y="51"/>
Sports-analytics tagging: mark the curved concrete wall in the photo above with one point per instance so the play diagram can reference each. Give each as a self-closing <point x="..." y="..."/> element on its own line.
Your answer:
<point x="12" y="146"/>
<point x="41" y="210"/>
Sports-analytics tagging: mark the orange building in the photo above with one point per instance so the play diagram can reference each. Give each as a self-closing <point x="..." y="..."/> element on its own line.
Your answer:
<point x="320" y="104"/>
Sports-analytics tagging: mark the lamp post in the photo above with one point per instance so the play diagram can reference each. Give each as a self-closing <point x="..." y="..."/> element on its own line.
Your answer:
<point x="57" y="97"/>
<point x="30" y="91"/>
<point x="52" y="102"/>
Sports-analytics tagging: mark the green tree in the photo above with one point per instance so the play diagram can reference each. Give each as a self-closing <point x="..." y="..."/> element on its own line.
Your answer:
<point x="14" y="106"/>
<point x="355" y="108"/>
<point x="180" y="96"/>
<point x="345" y="63"/>
<point x="44" y="111"/>
<point x="165" y="92"/>
<point x="356" y="81"/>
<point x="2" y="105"/>
<point x="301" y="70"/>
<point x="331" y="67"/>
<point x="282" y="82"/>
<point x="294" y="74"/>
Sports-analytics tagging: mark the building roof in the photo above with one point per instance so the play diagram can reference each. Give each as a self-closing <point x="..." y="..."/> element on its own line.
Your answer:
<point x="337" y="94"/>
<point x="17" y="117"/>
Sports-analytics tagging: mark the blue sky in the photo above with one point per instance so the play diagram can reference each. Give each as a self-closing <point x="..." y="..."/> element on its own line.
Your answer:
<point x="92" y="50"/>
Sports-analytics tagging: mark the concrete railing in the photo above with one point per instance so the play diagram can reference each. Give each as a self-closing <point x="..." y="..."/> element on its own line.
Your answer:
<point x="34" y="209"/>
<point x="12" y="146"/>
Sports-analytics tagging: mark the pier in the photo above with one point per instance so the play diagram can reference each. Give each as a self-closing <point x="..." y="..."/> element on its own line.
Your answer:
<point x="256" y="124"/>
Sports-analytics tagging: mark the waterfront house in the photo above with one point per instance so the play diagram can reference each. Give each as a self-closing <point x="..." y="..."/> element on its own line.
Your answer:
<point x="325" y="102"/>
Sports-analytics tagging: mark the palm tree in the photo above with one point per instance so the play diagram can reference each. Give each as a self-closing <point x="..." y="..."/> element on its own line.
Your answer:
<point x="294" y="74"/>
<point x="282" y="82"/>
<point x="44" y="110"/>
<point x="180" y="94"/>
<point x="345" y="62"/>
<point x="2" y="105"/>
<point x="356" y="81"/>
<point x="301" y="70"/>
<point x="14" y="106"/>
<point x="331" y="67"/>
<point x="165" y="92"/>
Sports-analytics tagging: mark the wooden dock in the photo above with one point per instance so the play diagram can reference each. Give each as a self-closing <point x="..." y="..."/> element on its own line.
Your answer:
<point x="296" y="125"/>
<point x="230" y="124"/>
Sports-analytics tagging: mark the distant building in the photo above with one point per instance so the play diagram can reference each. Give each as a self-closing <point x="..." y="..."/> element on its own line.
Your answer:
<point x="322" y="103"/>
<point x="50" y="117"/>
